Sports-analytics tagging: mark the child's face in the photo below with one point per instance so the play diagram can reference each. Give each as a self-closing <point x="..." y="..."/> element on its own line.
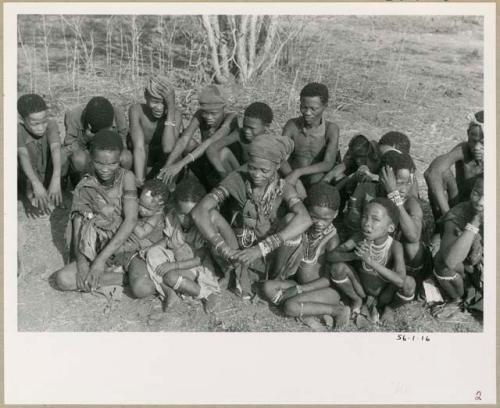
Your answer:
<point x="477" y="198"/>
<point x="36" y="123"/>
<point x="148" y="204"/>
<point x="252" y="127"/>
<point x="404" y="180"/>
<point x="321" y="217"/>
<point x="260" y="171"/>
<point x="212" y="116"/>
<point x="156" y="105"/>
<point x="311" y="108"/>
<point x="376" y="223"/>
<point x="475" y="141"/>
<point x="106" y="163"/>
<point x="184" y="209"/>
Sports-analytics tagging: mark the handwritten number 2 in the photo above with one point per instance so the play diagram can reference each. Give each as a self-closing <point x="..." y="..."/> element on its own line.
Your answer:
<point x="478" y="396"/>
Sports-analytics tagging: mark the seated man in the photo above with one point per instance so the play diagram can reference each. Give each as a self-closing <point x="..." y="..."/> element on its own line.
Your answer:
<point x="103" y="216"/>
<point x="316" y="139"/>
<point x="459" y="262"/>
<point x="268" y="215"/>
<point x="214" y="123"/>
<point x="39" y="155"/>
<point x="154" y="128"/>
<point x="82" y="123"/>
<point x="446" y="190"/>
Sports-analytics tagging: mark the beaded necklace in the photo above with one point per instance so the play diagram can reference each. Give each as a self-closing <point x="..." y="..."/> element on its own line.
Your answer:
<point x="378" y="253"/>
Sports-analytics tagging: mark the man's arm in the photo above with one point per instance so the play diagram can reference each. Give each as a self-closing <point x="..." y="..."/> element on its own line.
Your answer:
<point x="170" y="132"/>
<point x="121" y="125"/>
<point x="434" y="175"/>
<point x="41" y="197"/>
<point x="137" y="136"/>
<point x="201" y="217"/>
<point x="183" y="141"/>
<point x="411" y="220"/>
<point x="300" y="221"/>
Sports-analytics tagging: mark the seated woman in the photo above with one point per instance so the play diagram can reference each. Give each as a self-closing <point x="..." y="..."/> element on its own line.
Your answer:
<point x="181" y="262"/>
<point x="103" y="216"/>
<point x="261" y="200"/>
<point x="459" y="262"/>
<point x="310" y="293"/>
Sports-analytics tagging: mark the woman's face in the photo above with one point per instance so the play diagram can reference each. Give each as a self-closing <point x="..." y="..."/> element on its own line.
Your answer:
<point x="260" y="170"/>
<point x="184" y="209"/>
<point x="106" y="163"/>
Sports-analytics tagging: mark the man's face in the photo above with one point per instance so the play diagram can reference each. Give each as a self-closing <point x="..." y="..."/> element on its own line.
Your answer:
<point x="184" y="209"/>
<point x="36" y="123"/>
<point x="311" y="108"/>
<point x="156" y="105"/>
<point x="475" y="141"/>
<point x="212" y="116"/>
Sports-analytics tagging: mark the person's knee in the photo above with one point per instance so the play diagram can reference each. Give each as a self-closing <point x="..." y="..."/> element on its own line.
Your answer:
<point x="65" y="280"/>
<point x="339" y="271"/>
<point x="171" y="278"/>
<point x="409" y="286"/>
<point x="268" y="289"/>
<point x="292" y="308"/>
<point x="126" y="159"/>
<point x="142" y="288"/>
<point x="80" y="161"/>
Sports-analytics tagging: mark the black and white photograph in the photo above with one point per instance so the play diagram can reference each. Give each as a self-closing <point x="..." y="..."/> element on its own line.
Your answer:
<point x="252" y="172"/>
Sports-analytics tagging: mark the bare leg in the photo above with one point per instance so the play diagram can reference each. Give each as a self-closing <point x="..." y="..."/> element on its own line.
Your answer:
<point x="140" y="283"/>
<point x="66" y="278"/>
<point x="271" y="288"/>
<point x="344" y="277"/>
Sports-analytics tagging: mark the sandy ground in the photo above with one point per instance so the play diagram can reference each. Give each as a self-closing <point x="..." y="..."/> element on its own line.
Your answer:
<point x="384" y="75"/>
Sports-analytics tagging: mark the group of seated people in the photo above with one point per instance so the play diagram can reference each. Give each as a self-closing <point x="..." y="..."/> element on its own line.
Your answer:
<point x="280" y="217"/>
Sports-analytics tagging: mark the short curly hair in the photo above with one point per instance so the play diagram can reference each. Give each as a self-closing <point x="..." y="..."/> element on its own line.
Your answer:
<point x="398" y="161"/>
<point x="397" y="140"/>
<point x="30" y="103"/>
<point x="107" y="140"/>
<point x="98" y="114"/>
<point x="190" y="190"/>
<point x="315" y="89"/>
<point x="390" y="207"/>
<point x="157" y="188"/>
<point x="323" y="195"/>
<point x="260" y="110"/>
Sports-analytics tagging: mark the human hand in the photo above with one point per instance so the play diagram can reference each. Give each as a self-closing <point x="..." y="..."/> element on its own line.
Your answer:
<point x="301" y="190"/>
<point x="54" y="192"/>
<point x="94" y="276"/>
<point x="388" y="179"/>
<point x="168" y="174"/>
<point x="362" y="251"/>
<point x="478" y="219"/>
<point x="478" y="152"/>
<point x="165" y="268"/>
<point x="139" y="182"/>
<point x="82" y="270"/>
<point x="41" y="198"/>
<point x="248" y="256"/>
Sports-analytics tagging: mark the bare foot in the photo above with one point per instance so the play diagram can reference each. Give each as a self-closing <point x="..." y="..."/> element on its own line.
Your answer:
<point x="356" y="306"/>
<point x="171" y="298"/>
<point x="388" y="315"/>
<point x="342" y="319"/>
<point x="373" y="316"/>
<point x="312" y="323"/>
<point x="328" y="320"/>
<point x="210" y="303"/>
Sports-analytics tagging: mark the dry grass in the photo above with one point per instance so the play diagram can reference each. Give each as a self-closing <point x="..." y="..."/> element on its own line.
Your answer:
<point x="419" y="75"/>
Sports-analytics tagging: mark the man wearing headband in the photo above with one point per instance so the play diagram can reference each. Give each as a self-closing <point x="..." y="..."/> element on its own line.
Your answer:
<point x="214" y="123"/>
<point x="446" y="190"/>
<point x="154" y="128"/>
<point x="268" y="216"/>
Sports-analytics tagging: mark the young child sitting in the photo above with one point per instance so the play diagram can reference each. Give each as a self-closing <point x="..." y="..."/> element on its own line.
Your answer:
<point x="103" y="215"/>
<point x="214" y="123"/>
<point x="82" y="124"/>
<point x="233" y="149"/>
<point x="149" y="228"/>
<point x="184" y="263"/>
<point x="446" y="190"/>
<point x="39" y="155"/>
<point x="370" y="266"/>
<point x="316" y="139"/>
<point x="396" y="180"/>
<point x="361" y="164"/>
<point x="310" y="293"/>
<point x="459" y="262"/>
<point x="154" y="128"/>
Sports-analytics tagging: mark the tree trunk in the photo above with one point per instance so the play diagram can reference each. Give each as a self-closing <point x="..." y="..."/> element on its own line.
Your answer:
<point x="213" y="44"/>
